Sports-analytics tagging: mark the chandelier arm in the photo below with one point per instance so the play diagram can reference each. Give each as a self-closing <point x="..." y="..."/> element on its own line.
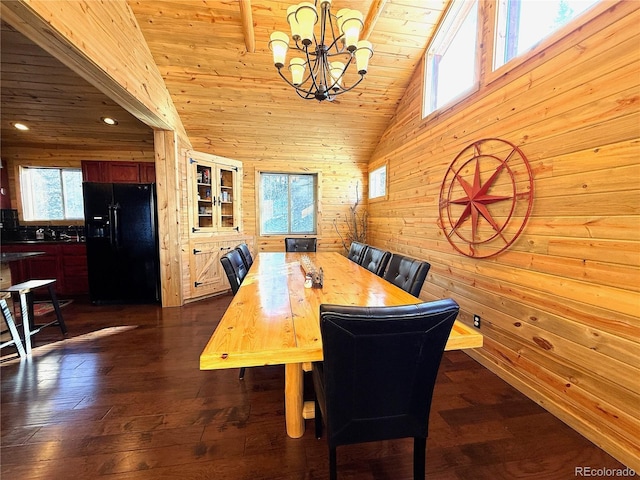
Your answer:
<point x="345" y="90"/>
<point x="291" y="84"/>
<point x="309" y="94"/>
<point x="344" y="54"/>
<point x="302" y="49"/>
<point x="335" y="39"/>
<point x="313" y="66"/>
<point x="323" y="21"/>
<point x="306" y="96"/>
<point x="339" y="50"/>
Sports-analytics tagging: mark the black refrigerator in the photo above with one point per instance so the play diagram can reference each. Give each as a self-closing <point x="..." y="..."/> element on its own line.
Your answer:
<point x="122" y="242"/>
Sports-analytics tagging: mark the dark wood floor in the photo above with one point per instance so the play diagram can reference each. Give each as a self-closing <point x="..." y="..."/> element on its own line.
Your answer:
<point x="122" y="398"/>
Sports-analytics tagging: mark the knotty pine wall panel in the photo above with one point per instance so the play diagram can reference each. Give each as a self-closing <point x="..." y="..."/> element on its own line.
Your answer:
<point x="338" y="182"/>
<point x="560" y="308"/>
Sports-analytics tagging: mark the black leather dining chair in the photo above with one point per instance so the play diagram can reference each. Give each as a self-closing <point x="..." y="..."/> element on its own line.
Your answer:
<point x="357" y="251"/>
<point x="375" y="260"/>
<point x="300" y="244"/>
<point x="243" y="248"/>
<point x="236" y="270"/>
<point x="379" y="372"/>
<point x="407" y="273"/>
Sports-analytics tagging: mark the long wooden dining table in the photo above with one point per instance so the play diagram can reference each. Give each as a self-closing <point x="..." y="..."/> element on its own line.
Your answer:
<point x="273" y="319"/>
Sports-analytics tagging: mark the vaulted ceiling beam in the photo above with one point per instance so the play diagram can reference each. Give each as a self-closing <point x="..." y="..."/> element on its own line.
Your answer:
<point x="247" y="25"/>
<point x="372" y="17"/>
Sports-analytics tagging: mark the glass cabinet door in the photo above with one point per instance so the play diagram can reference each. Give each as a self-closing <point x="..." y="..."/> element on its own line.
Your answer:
<point x="215" y="193"/>
<point x="206" y="196"/>
<point x="226" y="201"/>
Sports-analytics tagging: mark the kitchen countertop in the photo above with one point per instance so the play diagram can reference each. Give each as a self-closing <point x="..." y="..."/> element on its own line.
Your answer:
<point x="40" y="242"/>
<point x="13" y="257"/>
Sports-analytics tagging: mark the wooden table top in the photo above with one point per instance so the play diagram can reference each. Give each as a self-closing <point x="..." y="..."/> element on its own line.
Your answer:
<point x="274" y="319"/>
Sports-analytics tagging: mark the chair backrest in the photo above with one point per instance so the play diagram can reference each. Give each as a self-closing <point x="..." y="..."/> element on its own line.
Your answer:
<point x="380" y="367"/>
<point x="235" y="269"/>
<point x="300" y="244"/>
<point x="407" y="273"/>
<point x="357" y="251"/>
<point x="243" y="248"/>
<point x="375" y="260"/>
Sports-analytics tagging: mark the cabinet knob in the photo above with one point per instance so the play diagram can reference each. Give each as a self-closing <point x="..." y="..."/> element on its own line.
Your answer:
<point x="197" y="284"/>
<point x="195" y="252"/>
<point x="194" y="229"/>
<point x="225" y="248"/>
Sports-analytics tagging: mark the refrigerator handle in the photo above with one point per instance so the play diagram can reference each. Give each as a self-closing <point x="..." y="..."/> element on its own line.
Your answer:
<point x="116" y="226"/>
<point x="111" y="229"/>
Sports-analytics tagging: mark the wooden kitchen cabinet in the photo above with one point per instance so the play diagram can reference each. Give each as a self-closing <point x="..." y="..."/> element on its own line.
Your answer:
<point x="118" y="172"/>
<point x="147" y="172"/>
<point x="74" y="268"/>
<point x="65" y="262"/>
<point x="94" y="172"/>
<point x="215" y="193"/>
<point x="124" y="172"/>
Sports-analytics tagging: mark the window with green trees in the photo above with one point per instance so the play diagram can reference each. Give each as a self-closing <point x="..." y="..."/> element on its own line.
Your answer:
<point x="288" y="204"/>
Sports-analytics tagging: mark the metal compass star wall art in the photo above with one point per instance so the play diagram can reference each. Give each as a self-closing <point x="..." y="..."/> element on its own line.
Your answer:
<point x="486" y="198"/>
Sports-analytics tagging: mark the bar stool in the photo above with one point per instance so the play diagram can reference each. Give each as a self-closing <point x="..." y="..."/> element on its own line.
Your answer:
<point x="15" y="336"/>
<point x="24" y="292"/>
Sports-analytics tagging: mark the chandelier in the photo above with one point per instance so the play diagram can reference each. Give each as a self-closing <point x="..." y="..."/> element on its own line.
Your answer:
<point x="318" y="73"/>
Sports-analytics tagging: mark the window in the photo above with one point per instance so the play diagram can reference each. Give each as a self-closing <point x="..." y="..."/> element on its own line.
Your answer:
<point x="521" y="24"/>
<point x="378" y="182"/>
<point x="451" y="68"/>
<point x="51" y="193"/>
<point x="287" y="203"/>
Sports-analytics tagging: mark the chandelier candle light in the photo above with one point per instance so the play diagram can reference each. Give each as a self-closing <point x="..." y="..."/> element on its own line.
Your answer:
<point x="325" y="58"/>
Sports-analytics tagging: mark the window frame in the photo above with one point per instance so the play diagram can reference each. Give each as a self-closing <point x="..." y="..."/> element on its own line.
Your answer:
<point x="573" y="25"/>
<point x="25" y="208"/>
<point x="443" y="29"/>
<point x="258" y="198"/>
<point x="371" y="171"/>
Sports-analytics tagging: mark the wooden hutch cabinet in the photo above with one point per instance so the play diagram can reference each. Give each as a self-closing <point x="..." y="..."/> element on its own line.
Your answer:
<point x="215" y="193"/>
<point x="215" y="221"/>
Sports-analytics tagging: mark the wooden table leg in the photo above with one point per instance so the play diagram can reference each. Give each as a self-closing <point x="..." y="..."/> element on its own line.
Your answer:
<point x="293" y="399"/>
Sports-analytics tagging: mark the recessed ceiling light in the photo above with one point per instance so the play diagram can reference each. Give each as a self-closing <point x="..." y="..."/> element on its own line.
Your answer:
<point x="109" y="121"/>
<point x="21" y="126"/>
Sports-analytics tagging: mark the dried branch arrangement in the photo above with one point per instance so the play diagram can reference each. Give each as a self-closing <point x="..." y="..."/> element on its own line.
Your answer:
<point x="356" y="225"/>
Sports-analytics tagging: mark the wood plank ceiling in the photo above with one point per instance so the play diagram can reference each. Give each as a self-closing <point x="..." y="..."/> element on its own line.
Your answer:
<point x="61" y="109"/>
<point x="231" y="100"/>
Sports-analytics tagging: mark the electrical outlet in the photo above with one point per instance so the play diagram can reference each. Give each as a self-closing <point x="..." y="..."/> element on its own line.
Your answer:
<point x="476" y="321"/>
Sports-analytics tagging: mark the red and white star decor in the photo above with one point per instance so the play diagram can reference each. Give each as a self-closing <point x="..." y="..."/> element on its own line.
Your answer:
<point x="486" y="198"/>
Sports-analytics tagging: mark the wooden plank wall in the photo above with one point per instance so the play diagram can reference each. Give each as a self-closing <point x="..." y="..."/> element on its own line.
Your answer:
<point x="337" y="192"/>
<point x="560" y="308"/>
